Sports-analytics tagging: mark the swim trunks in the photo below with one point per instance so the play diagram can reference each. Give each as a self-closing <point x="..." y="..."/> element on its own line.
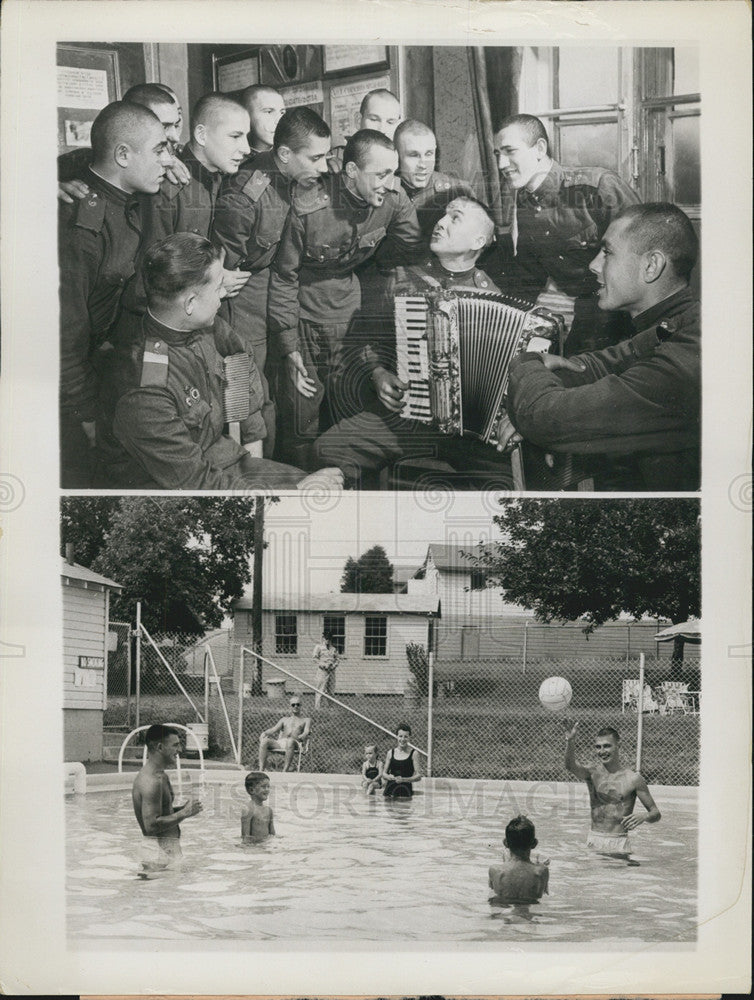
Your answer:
<point x="158" y="853"/>
<point x="604" y="843"/>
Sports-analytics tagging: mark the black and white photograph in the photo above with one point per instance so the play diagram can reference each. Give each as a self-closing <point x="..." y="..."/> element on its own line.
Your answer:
<point x="464" y="268"/>
<point x="376" y="532"/>
<point x="445" y="745"/>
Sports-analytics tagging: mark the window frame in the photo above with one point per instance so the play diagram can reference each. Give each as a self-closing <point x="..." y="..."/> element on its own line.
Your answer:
<point x="282" y="637"/>
<point x="367" y="638"/>
<point x="338" y="638"/>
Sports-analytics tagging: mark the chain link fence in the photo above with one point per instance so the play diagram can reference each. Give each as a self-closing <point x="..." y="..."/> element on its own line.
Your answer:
<point x="484" y="719"/>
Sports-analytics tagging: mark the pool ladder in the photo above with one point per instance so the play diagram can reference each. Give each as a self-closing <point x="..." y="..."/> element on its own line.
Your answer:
<point x="168" y="725"/>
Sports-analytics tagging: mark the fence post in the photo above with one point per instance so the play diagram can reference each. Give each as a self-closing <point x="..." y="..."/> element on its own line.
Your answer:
<point x="206" y="686"/>
<point x="640" y="712"/>
<point x="240" y="704"/>
<point x="628" y="646"/>
<point x="128" y="679"/>
<point x="526" y="635"/>
<point x="430" y="706"/>
<point x="138" y="664"/>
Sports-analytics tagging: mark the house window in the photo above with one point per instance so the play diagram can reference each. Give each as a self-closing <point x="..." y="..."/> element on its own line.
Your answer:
<point x="286" y="634"/>
<point x="375" y="635"/>
<point x="478" y="579"/>
<point x="335" y="627"/>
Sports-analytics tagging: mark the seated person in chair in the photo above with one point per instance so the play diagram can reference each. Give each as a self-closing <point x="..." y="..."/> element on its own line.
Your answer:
<point x="636" y="406"/>
<point x="373" y="434"/>
<point x="285" y="736"/>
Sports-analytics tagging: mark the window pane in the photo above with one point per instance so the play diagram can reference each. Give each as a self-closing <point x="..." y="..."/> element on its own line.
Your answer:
<point x="335" y="627"/>
<point x="286" y="637"/>
<point x="588" y="76"/>
<point x="686" y="71"/>
<point x="590" y="145"/>
<point x="685" y="166"/>
<point x="375" y="636"/>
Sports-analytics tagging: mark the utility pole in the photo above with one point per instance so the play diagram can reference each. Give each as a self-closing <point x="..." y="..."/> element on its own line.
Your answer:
<point x="256" y="597"/>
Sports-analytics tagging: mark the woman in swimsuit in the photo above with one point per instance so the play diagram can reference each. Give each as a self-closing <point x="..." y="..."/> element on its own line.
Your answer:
<point x="402" y="769"/>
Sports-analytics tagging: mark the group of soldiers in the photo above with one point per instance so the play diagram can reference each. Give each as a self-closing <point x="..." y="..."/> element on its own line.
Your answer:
<point x="258" y="238"/>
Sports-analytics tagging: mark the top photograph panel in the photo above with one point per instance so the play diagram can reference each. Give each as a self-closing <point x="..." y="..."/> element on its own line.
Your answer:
<point x="379" y="267"/>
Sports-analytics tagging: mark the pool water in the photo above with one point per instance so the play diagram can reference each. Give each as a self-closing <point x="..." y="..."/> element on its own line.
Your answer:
<point x="349" y="868"/>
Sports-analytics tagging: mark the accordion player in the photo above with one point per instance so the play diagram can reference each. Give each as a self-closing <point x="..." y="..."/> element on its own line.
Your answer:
<point x="454" y="349"/>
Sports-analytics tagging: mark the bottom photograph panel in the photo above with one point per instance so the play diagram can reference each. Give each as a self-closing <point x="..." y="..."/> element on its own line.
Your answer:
<point x="433" y="718"/>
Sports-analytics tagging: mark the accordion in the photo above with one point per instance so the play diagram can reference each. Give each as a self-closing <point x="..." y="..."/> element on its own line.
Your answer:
<point x="236" y="375"/>
<point x="454" y="349"/>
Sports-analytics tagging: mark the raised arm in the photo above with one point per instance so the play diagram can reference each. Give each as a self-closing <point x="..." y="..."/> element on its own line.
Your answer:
<point x="578" y="770"/>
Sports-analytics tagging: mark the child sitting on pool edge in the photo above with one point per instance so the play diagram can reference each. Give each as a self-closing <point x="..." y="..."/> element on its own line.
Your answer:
<point x="371" y="770"/>
<point x="520" y="880"/>
<point x="256" y="818"/>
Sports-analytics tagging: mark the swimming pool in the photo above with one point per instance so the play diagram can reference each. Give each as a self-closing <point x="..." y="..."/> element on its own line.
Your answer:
<point x="346" y="867"/>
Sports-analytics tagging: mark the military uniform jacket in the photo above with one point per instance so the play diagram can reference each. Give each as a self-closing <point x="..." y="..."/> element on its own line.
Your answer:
<point x="328" y="233"/>
<point x="560" y="228"/>
<point x="187" y="209"/>
<point x="431" y="201"/>
<point x="642" y="396"/>
<point x="98" y="241"/>
<point x="250" y="213"/>
<point x="430" y="274"/>
<point x="169" y="411"/>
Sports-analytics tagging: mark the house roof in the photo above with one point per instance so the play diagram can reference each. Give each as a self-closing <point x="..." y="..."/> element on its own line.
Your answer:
<point x="449" y="558"/>
<point x="402" y="604"/>
<point x="86" y="576"/>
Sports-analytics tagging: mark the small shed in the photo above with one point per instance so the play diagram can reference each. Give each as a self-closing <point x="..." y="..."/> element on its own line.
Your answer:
<point x="86" y="619"/>
<point x="370" y="631"/>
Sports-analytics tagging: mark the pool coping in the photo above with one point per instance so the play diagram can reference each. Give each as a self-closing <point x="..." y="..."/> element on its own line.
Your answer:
<point x="117" y="781"/>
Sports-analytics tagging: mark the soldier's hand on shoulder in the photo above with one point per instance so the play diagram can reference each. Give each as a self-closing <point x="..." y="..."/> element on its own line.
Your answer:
<point x="178" y="173"/>
<point x="506" y="435"/>
<point x="233" y="282"/>
<point x="71" y="191"/>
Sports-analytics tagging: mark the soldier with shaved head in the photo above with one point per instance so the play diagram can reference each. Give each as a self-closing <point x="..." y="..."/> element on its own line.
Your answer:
<point x="266" y="107"/>
<point x="99" y="239"/>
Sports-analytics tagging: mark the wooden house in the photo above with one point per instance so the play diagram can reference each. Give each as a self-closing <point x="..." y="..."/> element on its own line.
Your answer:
<point x="370" y="631"/>
<point x="86" y="638"/>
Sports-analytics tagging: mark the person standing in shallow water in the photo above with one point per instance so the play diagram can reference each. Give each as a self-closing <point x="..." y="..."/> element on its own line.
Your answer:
<point x="402" y="768"/>
<point x="152" y="796"/>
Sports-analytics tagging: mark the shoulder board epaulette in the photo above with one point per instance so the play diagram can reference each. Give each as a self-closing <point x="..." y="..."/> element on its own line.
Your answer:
<point x="583" y="175"/>
<point x="154" y="368"/>
<point x="256" y="184"/>
<point x="90" y="212"/>
<point x="313" y="199"/>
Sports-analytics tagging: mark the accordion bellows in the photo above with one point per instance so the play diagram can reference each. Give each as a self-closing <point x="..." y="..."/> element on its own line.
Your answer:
<point x="237" y="373"/>
<point x="454" y="349"/>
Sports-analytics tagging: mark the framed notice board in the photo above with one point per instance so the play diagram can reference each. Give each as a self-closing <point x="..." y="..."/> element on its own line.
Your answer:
<point x="88" y="79"/>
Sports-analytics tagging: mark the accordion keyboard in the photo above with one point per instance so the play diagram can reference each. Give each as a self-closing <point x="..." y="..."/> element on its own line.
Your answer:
<point x="412" y="361"/>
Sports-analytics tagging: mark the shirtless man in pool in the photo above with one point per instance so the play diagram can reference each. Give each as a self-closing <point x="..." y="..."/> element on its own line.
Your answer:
<point x="152" y="797"/>
<point x="285" y="735"/>
<point x="613" y="790"/>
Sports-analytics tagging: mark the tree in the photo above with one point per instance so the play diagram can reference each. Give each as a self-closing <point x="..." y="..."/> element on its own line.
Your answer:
<point x="567" y="559"/>
<point x="186" y="559"/>
<point x="371" y="573"/>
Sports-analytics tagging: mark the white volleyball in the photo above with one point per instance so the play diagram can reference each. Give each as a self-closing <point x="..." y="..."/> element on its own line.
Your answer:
<point x="555" y="694"/>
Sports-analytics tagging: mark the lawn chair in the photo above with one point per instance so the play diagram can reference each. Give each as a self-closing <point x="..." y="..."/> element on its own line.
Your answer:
<point x="630" y="697"/>
<point x="676" y="698"/>
<point x="303" y="748"/>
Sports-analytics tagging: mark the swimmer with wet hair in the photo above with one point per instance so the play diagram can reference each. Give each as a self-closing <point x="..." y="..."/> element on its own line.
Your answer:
<point x="256" y="818"/>
<point x="519" y="879"/>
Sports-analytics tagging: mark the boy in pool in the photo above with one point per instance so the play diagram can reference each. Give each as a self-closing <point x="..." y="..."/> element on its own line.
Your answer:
<point x="519" y="879"/>
<point x="256" y="819"/>
<point x="613" y="790"/>
<point x="371" y="770"/>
